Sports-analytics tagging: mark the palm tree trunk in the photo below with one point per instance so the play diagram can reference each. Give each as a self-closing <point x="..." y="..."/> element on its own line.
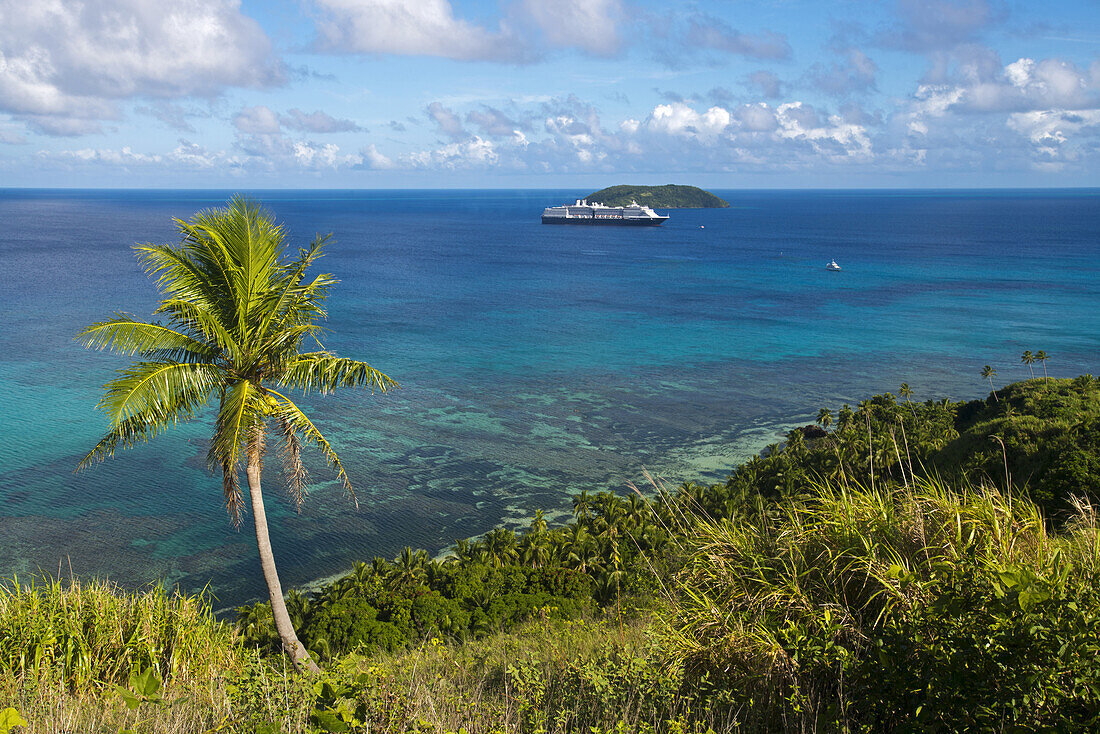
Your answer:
<point x="291" y="645"/>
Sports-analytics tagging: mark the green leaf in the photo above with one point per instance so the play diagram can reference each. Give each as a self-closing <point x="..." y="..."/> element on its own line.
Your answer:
<point x="152" y="684"/>
<point x="9" y="719"/>
<point x="132" y="702"/>
<point x="328" y="721"/>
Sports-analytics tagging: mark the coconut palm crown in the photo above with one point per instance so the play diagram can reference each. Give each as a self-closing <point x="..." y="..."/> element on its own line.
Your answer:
<point x="237" y="309"/>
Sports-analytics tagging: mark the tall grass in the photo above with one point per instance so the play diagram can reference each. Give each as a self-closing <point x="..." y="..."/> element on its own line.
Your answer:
<point x="782" y="606"/>
<point x="549" y="675"/>
<point x="91" y="632"/>
<point x="66" y="645"/>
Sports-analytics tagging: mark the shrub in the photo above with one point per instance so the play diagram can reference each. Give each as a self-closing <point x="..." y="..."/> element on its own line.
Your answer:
<point x="896" y="608"/>
<point x="348" y="624"/>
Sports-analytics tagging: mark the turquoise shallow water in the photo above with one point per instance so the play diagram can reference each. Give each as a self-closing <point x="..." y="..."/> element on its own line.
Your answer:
<point x="536" y="361"/>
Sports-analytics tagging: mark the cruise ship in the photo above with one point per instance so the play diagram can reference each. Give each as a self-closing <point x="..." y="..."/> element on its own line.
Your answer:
<point x="595" y="213"/>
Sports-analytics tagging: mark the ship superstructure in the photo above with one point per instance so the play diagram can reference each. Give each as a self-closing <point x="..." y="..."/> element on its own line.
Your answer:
<point x="584" y="212"/>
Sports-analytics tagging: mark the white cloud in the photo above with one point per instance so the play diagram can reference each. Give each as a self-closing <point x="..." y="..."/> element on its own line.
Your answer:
<point x="447" y="121"/>
<point x="173" y="115"/>
<point x="193" y="155"/>
<point x="475" y="152"/>
<point x="757" y="117"/>
<point x="125" y="156"/>
<point x="73" y="60"/>
<point x="261" y="153"/>
<point x="679" y="119"/>
<point x="835" y="139"/>
<point x="317" y="122"/>
<point x="522" y="33"/>
<point x="258" y="120"/>
<point x="492" y="122"/>
<point x="589" y="25"/>
<point x="373" y="159"/>
<point x="262" y="120"/>
<point x="310" y="155"/>
<point x="1052" y="132"/>
<point x="421" y="28"/>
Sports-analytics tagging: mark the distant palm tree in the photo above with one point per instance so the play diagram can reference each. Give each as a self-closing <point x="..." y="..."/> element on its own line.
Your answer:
<point x="238" y="308"/>
<point x="1042" y="356"/>
<point x="844" y="417"/>
<point x="907" y="392"/>
<point x="582" y="505"/>
<point x="989" y="373"/>
<point x="824" y="418"/>
<point x="410" y="567"/>
<point x="1029" y="359"/>
<point x="538" y="523"/>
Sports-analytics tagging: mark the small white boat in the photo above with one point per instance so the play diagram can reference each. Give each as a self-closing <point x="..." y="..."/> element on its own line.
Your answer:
<point x="701" y="227"/>
<point x="832" y="265"/>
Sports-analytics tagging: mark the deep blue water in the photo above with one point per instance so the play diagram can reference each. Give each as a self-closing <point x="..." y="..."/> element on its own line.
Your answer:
<point x="536" y="361"/>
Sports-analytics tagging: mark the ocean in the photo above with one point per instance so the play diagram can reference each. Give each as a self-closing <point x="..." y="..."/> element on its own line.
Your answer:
<point x="535" y="361"/>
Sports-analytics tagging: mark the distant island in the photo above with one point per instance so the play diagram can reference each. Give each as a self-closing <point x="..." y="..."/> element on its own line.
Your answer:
<point x="669" y="196"/>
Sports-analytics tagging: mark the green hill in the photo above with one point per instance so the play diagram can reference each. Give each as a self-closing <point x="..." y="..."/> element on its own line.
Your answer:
<point x="669" y="196"/>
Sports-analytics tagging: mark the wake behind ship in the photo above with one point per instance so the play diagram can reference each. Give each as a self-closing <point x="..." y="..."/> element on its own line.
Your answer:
<point x="595" y="213"/>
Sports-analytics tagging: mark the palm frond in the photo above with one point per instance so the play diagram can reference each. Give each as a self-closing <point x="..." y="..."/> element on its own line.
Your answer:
<point x="243" y="244"/>
<point x="294" y="471"/>
<point x="125" y="335"/>
<point x="231" y="490"/>
<point x="241" y="408"/>
<point x="200" y="320"/>
<point x="127" y="434"/>
<point x="323" y="372"/>
<point x="159" y="390"/>
<point x="287" y="291"/>
<point x="183" y="274"/>
<point x="286" y="410"/>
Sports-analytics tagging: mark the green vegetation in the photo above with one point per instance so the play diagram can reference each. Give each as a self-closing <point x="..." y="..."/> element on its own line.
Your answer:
<point x="71" y="654"/>
<point x="890" y="574"/>
<point x="669" y="196"/>
<point x="1050" y="431"/>
<point x="238" y="309"/>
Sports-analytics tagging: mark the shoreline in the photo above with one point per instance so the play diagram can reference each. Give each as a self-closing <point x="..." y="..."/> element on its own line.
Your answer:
<point x="751" y="442"/>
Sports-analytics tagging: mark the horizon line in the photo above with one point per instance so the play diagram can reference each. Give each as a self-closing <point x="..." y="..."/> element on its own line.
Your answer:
<point x="548" y="188"/>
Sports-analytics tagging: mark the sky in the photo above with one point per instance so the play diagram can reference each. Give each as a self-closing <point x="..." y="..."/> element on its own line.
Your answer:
<point x="549" y="93"/>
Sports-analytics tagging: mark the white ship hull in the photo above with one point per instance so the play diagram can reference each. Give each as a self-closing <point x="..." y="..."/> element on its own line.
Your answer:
<point x="582" y="212"/>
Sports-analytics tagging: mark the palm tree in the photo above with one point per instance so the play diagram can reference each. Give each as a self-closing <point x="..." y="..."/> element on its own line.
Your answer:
<point x="1042" y="356"/>
<point x="410" y="567"/>
<point x="1029" y="359"/>
<point x="538" y="523"/>
<point x="237" y="307"/>
<point x="907" y="392"/>
<point x="582" y="505"/>
<point x="989" y="373"/>
<point x="824" y="418"/>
